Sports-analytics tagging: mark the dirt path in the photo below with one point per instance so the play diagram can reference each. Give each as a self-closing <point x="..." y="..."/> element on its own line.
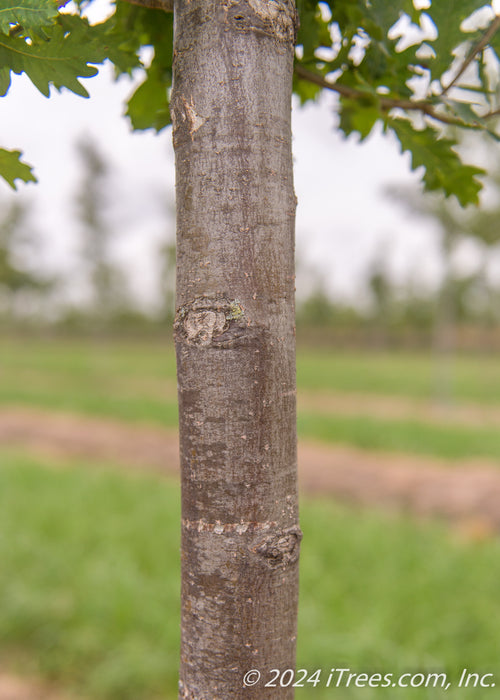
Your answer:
<point x="13" y="688"/>
<point x="467" y="491"/>
<point x="466" y="414"/>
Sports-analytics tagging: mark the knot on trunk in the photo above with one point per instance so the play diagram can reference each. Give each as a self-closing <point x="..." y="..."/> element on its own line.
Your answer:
<point x="277" y="18"/>
<point x="279" y="549"/>
<point x="205" y="318"/>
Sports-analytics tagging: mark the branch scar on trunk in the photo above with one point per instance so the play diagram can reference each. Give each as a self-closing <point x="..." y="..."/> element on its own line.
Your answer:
<point x="204" y="319"/>
<point x="184" y="113"/>
<point x="279" y="548"/>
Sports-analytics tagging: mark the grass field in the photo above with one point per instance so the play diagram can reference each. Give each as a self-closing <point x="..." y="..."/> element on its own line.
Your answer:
<point x="89" y="585"/>
<point x="136" y="381"/>
<point x="125" y="365"/>
<point x="89" y="579"/>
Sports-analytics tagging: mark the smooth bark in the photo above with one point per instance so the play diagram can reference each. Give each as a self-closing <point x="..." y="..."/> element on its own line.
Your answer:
<point x="233" y="62"/>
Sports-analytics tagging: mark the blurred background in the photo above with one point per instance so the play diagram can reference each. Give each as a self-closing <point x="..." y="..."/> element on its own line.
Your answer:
<point x="398" y="331"/>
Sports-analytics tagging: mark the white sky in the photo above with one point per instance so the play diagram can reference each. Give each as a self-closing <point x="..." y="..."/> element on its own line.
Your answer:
<point x="343" y="220"/>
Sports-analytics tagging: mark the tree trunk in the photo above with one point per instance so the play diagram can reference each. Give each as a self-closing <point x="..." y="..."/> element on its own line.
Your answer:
<point x="235" y="344"/>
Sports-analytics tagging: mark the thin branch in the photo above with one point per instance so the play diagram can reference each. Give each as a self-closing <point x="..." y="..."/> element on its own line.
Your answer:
<point x="386" y="103"/>
<point x="166" y="5"/>
<point x="490" y="115"/>
<point x="481" y="44"/>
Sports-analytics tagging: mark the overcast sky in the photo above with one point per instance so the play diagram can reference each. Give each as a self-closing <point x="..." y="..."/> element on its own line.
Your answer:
<point x="343" y="219"/>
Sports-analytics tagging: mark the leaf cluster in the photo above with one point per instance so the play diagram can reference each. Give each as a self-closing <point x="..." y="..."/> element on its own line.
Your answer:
<point x="447" y="75"/>
<point x="416" y="71"/>
<point x="54" y="49"/>
<point x="151" y="29"/>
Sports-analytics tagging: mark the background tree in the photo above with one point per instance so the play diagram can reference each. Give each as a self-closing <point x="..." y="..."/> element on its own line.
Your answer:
<point x="107" y="283"/>
<point x="478" y="225"/>
<point x="231" y="112"/>
<point x="382" y="296"/>
<point x="22" y="288"/>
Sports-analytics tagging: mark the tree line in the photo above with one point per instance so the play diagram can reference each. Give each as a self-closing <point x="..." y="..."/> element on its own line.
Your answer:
<point x="93" y="292"/>
<point x="461" y="308"/>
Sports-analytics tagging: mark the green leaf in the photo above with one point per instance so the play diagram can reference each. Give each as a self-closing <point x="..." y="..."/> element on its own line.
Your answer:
<point x="4" y="80"/>
<point x="464" y="111"/>
<point x="375" y="17"/>
<point x="466" y="116"/>
<point x="444" y="169"/>
<point x="448" y="15"/>
<point x="12" y="168"/>
<point x="305" y="90"/>
<point x="148" y="106"/>
<point x="385" y="14"/>
<point x="71" y="47"/>
<point x="32" y="15"/>
<point x="103" y="41"/>
<point x="313" y="31"/>
<point x="348" y="14"/>
<point x="358" y="116"/>
<point x="60" y="61"/>
<point x="121" y="37"/>
<point x="380" y="65"/>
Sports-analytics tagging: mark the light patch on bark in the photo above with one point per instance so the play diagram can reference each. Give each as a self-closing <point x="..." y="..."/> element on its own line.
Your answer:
<point x="201" y="326"/>
<point x="195" y="121"/>
<point x="184" y="112"/>
<point x="279" y="16"/>
<point x="205" y="318"/>
<point x="220" y="528"/>
<point x="280" y="13"/>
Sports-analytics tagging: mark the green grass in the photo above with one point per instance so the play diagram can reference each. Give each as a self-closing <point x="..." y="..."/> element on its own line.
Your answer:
<point x="130" y="381"/>
<point x="135" y="381"/>
<point x="382" y="594"/>
<point x="89" y="585"/>
<point x="472" y="377"/>
<point x="88" y="578"/>
<point x="408" y="436"/>
<point x="69" y="368"/>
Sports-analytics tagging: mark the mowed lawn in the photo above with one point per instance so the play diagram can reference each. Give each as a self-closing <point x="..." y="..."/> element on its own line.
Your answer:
<point x="136" y="381"/>
<point x="89" y="589"/>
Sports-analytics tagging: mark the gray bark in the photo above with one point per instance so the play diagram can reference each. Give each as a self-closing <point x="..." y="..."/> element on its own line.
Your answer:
<point x="234" y="331"/>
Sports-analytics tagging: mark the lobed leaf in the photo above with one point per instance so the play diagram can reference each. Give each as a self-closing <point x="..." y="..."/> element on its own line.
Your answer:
<point x="374" y="76"/>
<point x="12" y="168"/>
<point x="385" y="14"/>
<point x="69" y="51"/>
<point x="444" y="169"/>
<point x="359" y="116"/>
<point x="148" y="107"/>
<point x="314" y="31"/>
<point x="448" y="16"/>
